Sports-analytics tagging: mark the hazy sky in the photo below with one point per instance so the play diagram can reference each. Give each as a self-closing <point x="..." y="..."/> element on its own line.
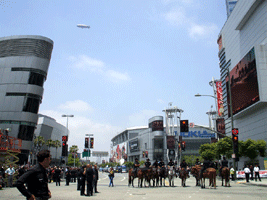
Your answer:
<point x="138" y="56"/>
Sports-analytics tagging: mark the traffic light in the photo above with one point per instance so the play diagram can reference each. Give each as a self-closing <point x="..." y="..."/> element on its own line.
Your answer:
<point x="183" y="125"/>
<point x="86" y="143"/>
<point x="64" y="148"/>
<point x="91" y="143"/>
<point x="235" y="140"/>
<point x="183" y="145"/>
<point x="64" y="138"/>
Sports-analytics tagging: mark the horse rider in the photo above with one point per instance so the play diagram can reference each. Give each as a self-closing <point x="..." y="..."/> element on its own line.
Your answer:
<point x="136" y="167"/>
<point x="155" y="164"/>
<point x="197" y="162"/>
<point x="184" y="165"/>
<point x="161" y="163"/>
<point x="147" y="163"/>
<point x="206" y="165"/>
<point x="224" y="163"/>
<point x="171" y="163"/>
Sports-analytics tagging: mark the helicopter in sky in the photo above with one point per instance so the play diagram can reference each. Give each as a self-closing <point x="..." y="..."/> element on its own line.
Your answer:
<point x="83" y="26"/>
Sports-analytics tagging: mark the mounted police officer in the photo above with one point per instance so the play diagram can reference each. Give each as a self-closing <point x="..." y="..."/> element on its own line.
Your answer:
<point x="197" y="162"/>
<point x="136" y="167"/>
<point x="156" y="163"/>
<point x="171" y="163"/>
<point x="161" y="163"/>
<point x="206" y="165"/>
<point x="147" y="163"/>
<point x="184" y="165"/>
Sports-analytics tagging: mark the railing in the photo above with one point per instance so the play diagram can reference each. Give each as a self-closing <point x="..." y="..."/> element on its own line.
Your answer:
<point x="10" y="143"/>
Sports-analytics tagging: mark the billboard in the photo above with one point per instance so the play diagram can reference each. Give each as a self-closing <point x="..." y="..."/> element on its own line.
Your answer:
<point x="220" y="125"/>
<point x="119" y="152"/>
<point x="133" y="145"/>
<point x="243" y="83"/>
<point x="156" y="125"/>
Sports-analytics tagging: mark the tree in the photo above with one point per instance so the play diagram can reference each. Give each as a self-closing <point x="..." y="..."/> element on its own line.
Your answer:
<point x="49" y="143"/>
<point x="191" y="160"/>
<point x="56" y="144"/>
<point x="71" y="161"/>
<point x="73" y="151"/>
<point x="251" y="148"/>
<point x="225" y="147"/>
<point x="39" y="142"/>
<point x="208" y="151"/>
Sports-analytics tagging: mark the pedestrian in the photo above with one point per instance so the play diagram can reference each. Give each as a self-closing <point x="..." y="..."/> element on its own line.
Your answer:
<point x="247" y="173"/>
<point x="89" y="178"/>
<point x="68" y="175"/>
<point x="232" y="172"/>
<point x="57" y="176"/>
<point x="79" y="179"/>
<point x="10" y="172"/>
<point x="257" y="172"/>
<point x="82" y="181"/>
<point x="251" y="172"/>
<point x="111" y="177"/>
<point x="36" y="179"/>
<point x="96" y="178"/>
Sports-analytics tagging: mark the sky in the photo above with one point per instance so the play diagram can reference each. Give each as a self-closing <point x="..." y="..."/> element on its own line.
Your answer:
<point x="136" y="58"/>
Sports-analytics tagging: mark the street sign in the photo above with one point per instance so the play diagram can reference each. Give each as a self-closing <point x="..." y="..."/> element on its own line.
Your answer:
<point x="233" y="155"/>
<point x="86" y="154"/>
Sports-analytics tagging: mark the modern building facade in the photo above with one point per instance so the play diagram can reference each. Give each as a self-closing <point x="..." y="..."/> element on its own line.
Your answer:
<point x="48" y="128"/>
<point x="24" y="62"/>
<point x="153" y="142"/>
<point x="243" y="52"/>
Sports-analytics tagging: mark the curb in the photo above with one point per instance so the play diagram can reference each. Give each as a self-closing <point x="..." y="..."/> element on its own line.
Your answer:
<point x="254" y="184"/>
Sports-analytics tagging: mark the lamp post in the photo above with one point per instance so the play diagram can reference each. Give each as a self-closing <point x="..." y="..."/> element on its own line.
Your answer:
<point x="66" y="135"/>
<point x="231" y="114"/>
<point x="88" y="143"/>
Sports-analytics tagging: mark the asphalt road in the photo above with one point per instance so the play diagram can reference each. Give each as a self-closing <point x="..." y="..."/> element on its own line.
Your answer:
<point x="121" y="191"/>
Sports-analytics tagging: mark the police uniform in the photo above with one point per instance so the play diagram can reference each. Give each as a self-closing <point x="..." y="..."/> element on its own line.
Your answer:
<point x="147" y="164"/>
<point x="156" y="164"/>
<point x="136" y="166"/>
<point x="161" y="164"/>
<point x="206" y="165"/>
<point x="37" y="181"/>
<point x="171" y="163"/>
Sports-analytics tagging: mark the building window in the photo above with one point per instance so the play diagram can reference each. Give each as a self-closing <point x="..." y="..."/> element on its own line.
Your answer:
<point x="36" y="79"/>
<point x="31" y="105"/>
<point x="26" y="132"/>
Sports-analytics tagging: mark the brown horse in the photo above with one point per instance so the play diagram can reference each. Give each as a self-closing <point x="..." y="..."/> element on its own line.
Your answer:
<point x="226" y="176"/>
<point x="196" y="173"/>
<point x="131" y="177"/>
<point x="183" y="176"/>
<point x="155" y="176"/>
<point x="209" y="173"/>
<point x="163" y="174"/>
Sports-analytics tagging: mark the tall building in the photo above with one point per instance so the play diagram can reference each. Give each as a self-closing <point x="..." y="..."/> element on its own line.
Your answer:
<point x="230" y="4"/>
<point x="243" y="51"/>
<point x="24" y="62"/>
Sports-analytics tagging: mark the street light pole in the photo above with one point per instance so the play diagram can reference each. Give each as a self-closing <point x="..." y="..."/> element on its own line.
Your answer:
<point x="68" y="146"/>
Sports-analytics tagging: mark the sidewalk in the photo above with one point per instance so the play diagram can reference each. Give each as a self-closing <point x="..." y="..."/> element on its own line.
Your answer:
<point x="262" y="183"/>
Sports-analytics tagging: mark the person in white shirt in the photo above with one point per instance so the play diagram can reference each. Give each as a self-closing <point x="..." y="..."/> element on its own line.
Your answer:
<point x="247" y="172"/>
<point x="10" y="172"/>
<point x="257" y="172"/>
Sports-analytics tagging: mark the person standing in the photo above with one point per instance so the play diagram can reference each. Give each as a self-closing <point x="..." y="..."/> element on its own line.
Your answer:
<point x="247" y="173"/>
<point x="89" y="178"/>
<point x="36" y="179"/>
<point x="82" y="181"/>
<point x="67" y="174"/>
<point x="96" y="178"/>
<point x="251" y="168"/>
<point x="10" y="172"/>
<point x="257" y="172"/>
<point x="111" y="177"/>
<point x="232" y="173"/>
<point x="57" y="176"/>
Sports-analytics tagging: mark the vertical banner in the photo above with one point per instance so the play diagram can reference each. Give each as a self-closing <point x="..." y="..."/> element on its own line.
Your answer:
<point x="91" y="143"/>
<point x="219" y="98"/>
<point x="220" y="123"/>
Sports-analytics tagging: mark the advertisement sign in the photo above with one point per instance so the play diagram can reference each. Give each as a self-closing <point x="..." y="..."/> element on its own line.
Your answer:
<point x="241" y="174"/>
<point x="243" y="83"/>
<point x="220" y="124"/>
<point x="197" y="134"/>
<point x="219" y="98"/>
<point x="119" y="152"/>
<point x="170" y="142"/>
<point x="133" y="145"/>
<point x="156" y="125"/>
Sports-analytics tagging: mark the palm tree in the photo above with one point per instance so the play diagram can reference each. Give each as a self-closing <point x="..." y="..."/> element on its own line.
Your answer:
<point x="74" y="149"/>
<point x="49" y="143"/>
<point x="57" y="144"/>
<point x="38" y="144"/>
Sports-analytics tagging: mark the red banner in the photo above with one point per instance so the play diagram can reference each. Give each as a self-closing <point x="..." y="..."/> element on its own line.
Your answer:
<point x="219" y="98"/>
